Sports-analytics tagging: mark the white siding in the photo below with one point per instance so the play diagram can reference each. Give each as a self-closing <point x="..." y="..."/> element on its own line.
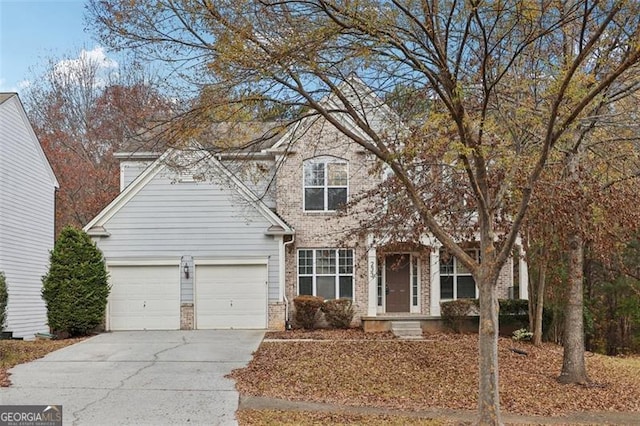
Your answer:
<point x="129" y="170"/>
<point x="168" y="219"/>
<point x="26" y="220"/>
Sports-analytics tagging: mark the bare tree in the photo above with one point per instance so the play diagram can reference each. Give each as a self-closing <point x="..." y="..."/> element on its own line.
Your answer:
<point x="85" y="109"/>
<point x="504" y="88"/>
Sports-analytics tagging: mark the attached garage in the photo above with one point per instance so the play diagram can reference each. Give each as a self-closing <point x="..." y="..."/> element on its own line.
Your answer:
<point x="144" y="297"/>
<point x="231" y="296"/>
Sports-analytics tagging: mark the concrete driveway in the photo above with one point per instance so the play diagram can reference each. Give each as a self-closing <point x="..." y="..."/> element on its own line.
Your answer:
<point x="139" y="377"/>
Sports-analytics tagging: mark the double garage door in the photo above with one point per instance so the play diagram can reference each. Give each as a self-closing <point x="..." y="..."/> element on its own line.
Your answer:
<point x="147" y="297"/>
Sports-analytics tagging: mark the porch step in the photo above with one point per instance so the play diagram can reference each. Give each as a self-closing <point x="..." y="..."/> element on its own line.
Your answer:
<point x="410" y="330"/>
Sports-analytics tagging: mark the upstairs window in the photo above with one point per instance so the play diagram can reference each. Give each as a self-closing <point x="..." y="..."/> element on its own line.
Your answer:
<point x="325" y="184"/>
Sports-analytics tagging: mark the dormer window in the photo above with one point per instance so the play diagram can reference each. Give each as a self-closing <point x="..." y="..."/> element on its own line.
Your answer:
<point x="325" y="184"/>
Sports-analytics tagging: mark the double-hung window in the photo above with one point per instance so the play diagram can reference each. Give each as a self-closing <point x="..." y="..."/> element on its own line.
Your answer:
<point x="325" y="184"/>
<point x="327" y="273"/>
<point x="456" y="281"/>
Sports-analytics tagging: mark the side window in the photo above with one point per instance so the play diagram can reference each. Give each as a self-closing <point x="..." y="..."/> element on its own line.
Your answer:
<point x="456" y="281"/>
<point x="325" y="184"/>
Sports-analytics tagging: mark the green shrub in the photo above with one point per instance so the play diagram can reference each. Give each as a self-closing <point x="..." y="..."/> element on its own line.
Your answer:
<point x="522" y="334"/>
<point x="454" y="312"/>
<point x="307" y="308"/>
<point x="4" y="298"/>
<point x="338" y="312"/>
<point x="514" y="313"/>
<point x="75" y="288"/>
<point x="514" y="306"/>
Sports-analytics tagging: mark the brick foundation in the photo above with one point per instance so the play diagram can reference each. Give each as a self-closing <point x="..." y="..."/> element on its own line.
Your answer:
<point x="186" y="316"/>
<point x="276" y="316"/>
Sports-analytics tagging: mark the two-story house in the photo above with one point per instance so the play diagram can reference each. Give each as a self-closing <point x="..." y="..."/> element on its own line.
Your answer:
<point x="198" y="241"/>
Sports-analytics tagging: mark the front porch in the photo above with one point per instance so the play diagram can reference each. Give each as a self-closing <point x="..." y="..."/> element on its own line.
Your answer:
<point x="384" y="322"/>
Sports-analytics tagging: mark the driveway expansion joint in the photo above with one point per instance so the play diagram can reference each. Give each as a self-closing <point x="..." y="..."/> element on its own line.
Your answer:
<point x="149" y="364"/>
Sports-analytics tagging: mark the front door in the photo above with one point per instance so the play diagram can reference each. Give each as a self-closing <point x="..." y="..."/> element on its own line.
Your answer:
<point x="397" y="277"/>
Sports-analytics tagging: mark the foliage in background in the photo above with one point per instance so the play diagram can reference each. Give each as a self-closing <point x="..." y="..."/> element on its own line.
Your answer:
<point x="75" y="289"/>
<point x="512" y="312"/>
<point x="4" y="298"/>
<point x="511" y="84"/>
<point x="613" y="295"/>
<point x="84" y="113"/>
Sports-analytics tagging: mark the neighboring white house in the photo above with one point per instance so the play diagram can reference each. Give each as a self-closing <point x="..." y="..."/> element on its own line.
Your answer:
<point x="27" y="216"/>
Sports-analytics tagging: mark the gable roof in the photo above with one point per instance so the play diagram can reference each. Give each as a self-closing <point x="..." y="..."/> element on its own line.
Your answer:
<point x="369" y="104"/>
<point x="5" y="100"/>
<point x="96" y="226"/>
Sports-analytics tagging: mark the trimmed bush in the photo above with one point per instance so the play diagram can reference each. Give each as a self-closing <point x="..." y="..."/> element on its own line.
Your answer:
<point x="514" y="306"/>
<point x="514" y="313"/>
<point x="75" y="288"/>
<point x="4" y="299"/>
<point x="338" y="312"/>
<point x="307" y="308"/>
<point x="454" y="312"/>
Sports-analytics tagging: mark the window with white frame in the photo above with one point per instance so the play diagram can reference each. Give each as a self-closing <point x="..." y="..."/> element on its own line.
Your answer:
<point x="325" y="184"/>
<point x="414" y="281"/>
<point x="327" y="273"/>
<point x="456" y="281"/>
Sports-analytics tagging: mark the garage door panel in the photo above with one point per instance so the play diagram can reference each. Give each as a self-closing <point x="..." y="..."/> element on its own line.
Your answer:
<point x="144" y="297"/>
<point x="231" y="296"/>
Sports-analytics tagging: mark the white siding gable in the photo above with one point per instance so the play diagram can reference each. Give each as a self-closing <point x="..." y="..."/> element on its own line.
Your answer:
<point x="27" y="188"/>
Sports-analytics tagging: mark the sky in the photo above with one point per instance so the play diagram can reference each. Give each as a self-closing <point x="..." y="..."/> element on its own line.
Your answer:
<point x="34" y="31"/>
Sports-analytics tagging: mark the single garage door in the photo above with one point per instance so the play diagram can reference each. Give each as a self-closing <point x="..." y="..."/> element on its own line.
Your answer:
<point x="144" y="297"/>
<point x="231" y="296"/>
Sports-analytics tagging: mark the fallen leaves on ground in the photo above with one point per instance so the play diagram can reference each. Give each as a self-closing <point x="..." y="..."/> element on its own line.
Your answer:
<point x="308" y="418"/>
<point x="329" y="334"/>
<point x="14" y="352"/>
<point x="439" y="372"/>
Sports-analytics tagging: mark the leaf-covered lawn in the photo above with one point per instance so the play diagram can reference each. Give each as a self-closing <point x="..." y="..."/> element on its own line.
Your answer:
<point x="440" y="372"/>
<point x="307" y="418"/>
<point x="14" y="352"/>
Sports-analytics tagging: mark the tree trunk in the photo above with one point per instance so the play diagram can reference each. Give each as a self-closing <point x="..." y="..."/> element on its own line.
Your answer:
<point x="573" y="365"/>
<point x="488" y="397"/>
<point x="537" y="319"/>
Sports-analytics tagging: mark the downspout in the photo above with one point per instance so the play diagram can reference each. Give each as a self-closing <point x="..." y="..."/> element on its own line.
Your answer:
<point x="287" y="323"/>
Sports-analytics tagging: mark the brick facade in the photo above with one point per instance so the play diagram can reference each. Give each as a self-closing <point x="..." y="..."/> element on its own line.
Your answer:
<point x="186" y="316"/>
<point x="330" y="230"/>
<point x="316" y="230"/>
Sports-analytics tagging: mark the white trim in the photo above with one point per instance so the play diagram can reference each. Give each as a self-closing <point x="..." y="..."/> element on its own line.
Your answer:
<point x="144" y="262"/>
<point x="336" y="275"/>
<point x="15" y="99"/>
<point x="372" y="266"/>
<point x="523" y="275"/>
<point x="412" y="256"/>
<point x="434" y="294"/>
<point x="150" y="172"/>
<point x="130" y="191"/>
<point x="281" y="268"/>
<point x="415" y="309"/>
<point x="325" y="160"/>
<point x="231" y="261"/>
